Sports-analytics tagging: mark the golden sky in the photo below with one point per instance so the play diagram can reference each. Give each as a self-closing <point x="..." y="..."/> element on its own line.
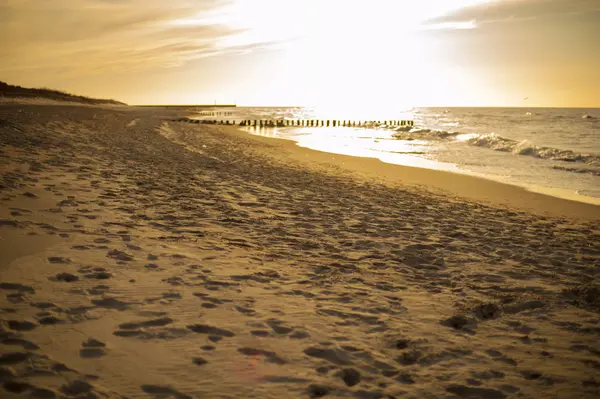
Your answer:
<point x="308" y="52"/>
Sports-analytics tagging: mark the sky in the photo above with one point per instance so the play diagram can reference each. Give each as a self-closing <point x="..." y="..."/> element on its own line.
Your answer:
<point x="325" y="53"/>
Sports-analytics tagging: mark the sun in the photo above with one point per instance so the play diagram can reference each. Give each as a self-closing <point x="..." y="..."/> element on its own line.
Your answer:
<point x="341" y="54"/>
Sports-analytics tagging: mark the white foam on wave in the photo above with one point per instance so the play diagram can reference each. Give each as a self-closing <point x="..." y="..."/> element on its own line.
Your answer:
<point x="525" y="147"/>
<point x="498" y="143"/>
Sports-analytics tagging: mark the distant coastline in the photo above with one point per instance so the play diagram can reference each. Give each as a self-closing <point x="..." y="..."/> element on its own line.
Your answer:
<point x="188" y="106"/>
<point x="11" y="91"/>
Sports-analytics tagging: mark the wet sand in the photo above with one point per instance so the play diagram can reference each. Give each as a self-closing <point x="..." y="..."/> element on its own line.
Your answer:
<point x="148" y="258"/>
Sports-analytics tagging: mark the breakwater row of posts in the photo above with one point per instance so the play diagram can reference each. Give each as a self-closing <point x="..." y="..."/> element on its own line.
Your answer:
<point x="300" y="122"/>
<point x="206" y="113"/>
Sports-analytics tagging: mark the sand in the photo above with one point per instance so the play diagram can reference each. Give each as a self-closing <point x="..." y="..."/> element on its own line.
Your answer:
<point x="147" y="258"/>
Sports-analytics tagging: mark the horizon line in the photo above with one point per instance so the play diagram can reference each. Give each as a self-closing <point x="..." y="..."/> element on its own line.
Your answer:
<point x="313" y="106"/>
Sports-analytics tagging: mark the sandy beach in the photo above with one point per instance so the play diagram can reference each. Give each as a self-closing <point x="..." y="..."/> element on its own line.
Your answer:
<point x="147" y="258"/>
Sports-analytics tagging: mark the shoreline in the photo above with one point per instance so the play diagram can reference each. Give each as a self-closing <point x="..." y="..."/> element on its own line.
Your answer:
<point x="453" y="184"/>
<point x="424" y="163"/>
<point x="552" y="192"/>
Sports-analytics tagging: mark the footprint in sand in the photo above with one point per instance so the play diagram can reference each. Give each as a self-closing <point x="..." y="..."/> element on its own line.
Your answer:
<point x="350" y="376"/>
<point x="16" y="287"/>
<point x="18" y="325"/>
<point x="276" y="326"/>
<point x="270" y="357"/>
<point x="317" y="391"/>
<point x="119" y="255"/>
<point x="198" y="361"/>
<point x="150" y="329"/>
<point x="460" y="323"/>
<point x="210" y="330"/>
<point x="92" y="348"/>
<point x="470" y="392"/>
<point x="19" y="342"/>
<point x="59" y="259"/>
<point x="110" y="303"/>
<point x="77" y="388"/>
<point x="11" y="358"/>
<point x="98" y="290"/>
<point x="152" y="266"/>
<point x="211" y="302"/>
<point x="16" y="387"/>
<point x="487" y="311"/>
<point x="162" y="391"/>
<point x="335" y="356"/>
<point x="98" y="275"/>
<point x="65" y="277"/>
<point x="245" y="311"/>
<point x="49" y="320"/>
<point x="11" y="223"/>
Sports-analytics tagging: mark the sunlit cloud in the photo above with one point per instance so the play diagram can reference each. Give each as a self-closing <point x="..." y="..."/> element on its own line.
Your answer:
<point x="507" y="11"/>
<point x="84" y="36"/>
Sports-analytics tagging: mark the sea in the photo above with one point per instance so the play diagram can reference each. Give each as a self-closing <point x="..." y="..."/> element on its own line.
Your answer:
<point x="555" y="151"/>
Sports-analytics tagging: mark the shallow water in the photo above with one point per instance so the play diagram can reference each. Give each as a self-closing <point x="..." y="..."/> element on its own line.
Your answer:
<point x="552" y="150"/>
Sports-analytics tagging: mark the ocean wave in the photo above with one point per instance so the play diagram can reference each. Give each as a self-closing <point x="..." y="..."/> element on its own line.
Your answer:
<point x="408" y="133"/>
<point x="592" y="172"/>
<point x="499" y="143"/>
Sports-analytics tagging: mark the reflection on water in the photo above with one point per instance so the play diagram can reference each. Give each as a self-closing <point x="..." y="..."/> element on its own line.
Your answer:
<point x="369" y="143"/>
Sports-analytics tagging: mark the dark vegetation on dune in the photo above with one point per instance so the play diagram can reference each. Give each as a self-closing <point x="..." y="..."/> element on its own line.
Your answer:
<point x="7" y="90"/>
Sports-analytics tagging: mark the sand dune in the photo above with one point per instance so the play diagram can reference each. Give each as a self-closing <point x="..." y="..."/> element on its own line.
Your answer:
<point x="148" y="258"/>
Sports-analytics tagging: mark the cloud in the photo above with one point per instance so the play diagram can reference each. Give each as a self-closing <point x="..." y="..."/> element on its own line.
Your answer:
<point x="82" y="37"/>
<point x="506" y="11"/>
<point x="79" y="37"/>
